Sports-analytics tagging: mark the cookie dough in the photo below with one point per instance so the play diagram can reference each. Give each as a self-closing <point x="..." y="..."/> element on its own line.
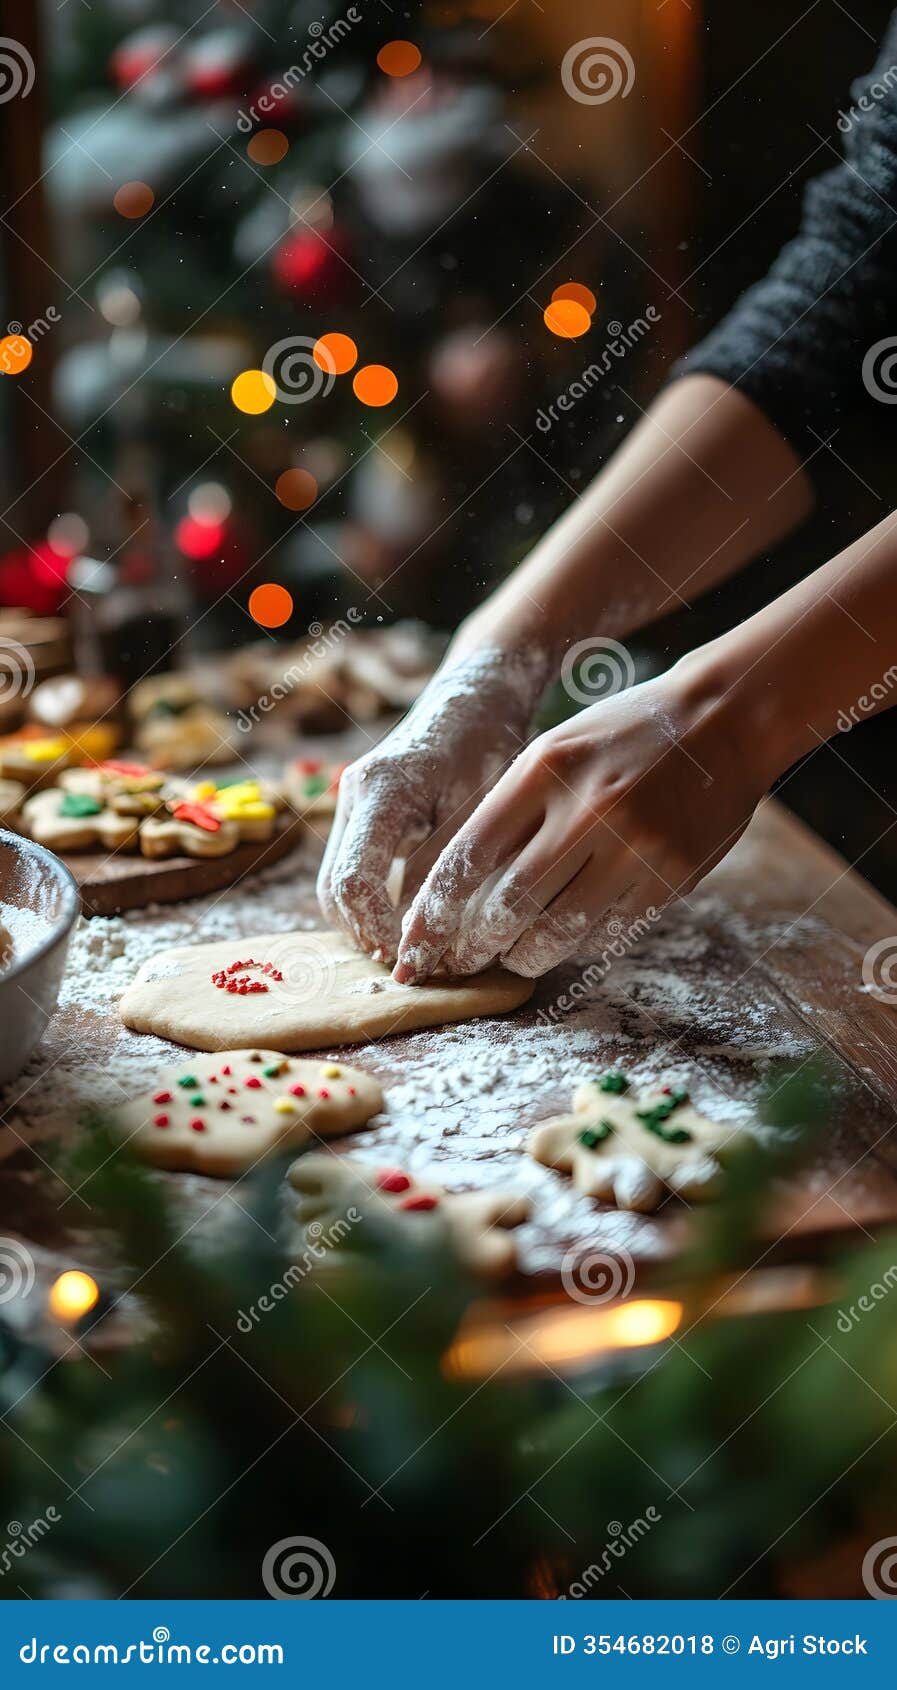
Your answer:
<point x="222" y="1114"/>
<point x="477" y="1224"/>
<point x="316" y="991"/>
<point x="633" y="1150"/>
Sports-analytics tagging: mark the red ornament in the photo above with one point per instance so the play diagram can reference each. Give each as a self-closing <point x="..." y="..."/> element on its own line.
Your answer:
<point x="311" y="266"/>
<point x="142" y="54"/>
<point x="217" y="64"/>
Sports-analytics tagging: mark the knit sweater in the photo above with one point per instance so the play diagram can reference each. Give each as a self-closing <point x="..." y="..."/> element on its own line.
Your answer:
<point x="803" y="344"/>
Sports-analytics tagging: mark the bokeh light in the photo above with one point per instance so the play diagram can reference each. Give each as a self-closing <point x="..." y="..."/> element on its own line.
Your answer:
<point x="16" y="353"/>
<point x="209" y="502"/>
<point x="198" y="539"/>
<point x="578" y="292"/>
<point x="72" y="1296"/>
<point x="269" y="146"/>
<point x="296" y="489"/>
<point x="253" y="391"/>
<point x="270" y="605"/>
<point x="134" y="199"/>
<point x="375" y="384"/>
<point x="399" y="58"/>
<point x="336" y="353"/>
<point x="567" y="319"/>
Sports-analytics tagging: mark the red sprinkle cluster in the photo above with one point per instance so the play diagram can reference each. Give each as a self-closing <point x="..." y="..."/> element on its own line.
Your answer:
<point x="233" y="979"/>
<point x="395" y="1181"/>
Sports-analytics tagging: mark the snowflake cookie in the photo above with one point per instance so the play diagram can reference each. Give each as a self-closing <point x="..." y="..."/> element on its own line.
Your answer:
<point x="632" y="1150"/>
<point x="336" y="1193"/>
<point x="224" y="1113"/>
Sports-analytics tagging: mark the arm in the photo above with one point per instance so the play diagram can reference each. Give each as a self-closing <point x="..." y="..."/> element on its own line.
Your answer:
<point x="610" y="817"/>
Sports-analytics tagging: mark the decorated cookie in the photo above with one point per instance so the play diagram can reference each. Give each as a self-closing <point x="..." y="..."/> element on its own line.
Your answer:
<point x="175" y="729"/>
<point x="133" y="789"/>
<point x="187" y="829"/>
<point x="37" y="757"/>
<point x="311" y="786"/>
<point x="222" y="1114"/>
<point x="313" y="990"/>
<point x="12" y="796"/>
<point x="73" y="821"/>
<point x="477" y="1224"/>
<point x="66" y="700"/>
<point x="251" y="805"/>
<point x="631" y="1150"/>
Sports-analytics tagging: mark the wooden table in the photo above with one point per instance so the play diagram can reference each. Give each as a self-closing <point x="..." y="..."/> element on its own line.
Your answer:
<point x="764" y="960"/>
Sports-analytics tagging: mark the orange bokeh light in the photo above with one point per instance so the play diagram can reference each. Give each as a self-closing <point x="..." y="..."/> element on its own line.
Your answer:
<point x="270" y="605"/>
<point x="297" y="489"/>
<point x="567" y="319"/>
<point x="578" y="292"/>
<point x="399" y="58"/>
<point x="336" y="353"/>
<point x="134" y="199"/>
<point x="375" y="384"/>
<point x="16" y="354"/>
<point x="268" y="146"/>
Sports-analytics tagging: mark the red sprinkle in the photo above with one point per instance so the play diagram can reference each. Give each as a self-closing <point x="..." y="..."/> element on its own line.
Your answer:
<point x="232" y="1091"/>
<point x="297" y="1091"/>
<point x="249" y="1119"/>
<point x="226" y="1068"/>
<point x="351" y="1090"/>
<point x="224" y="1104"/>
<point x="422" y="1202"/>
<point x="323" y="1092"/>
<point x="161" y="1121"/>
<point x="162" y="1097"/>
<point x="253" y="1082"/>
<point x="198" y="1124"/>
<point x="392" y="1179"/>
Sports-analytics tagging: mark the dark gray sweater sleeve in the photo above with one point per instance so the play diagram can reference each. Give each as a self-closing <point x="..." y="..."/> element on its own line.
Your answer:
<point x="796" y="342"/>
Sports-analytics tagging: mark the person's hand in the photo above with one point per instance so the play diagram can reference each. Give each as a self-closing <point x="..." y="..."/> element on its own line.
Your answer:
<point x="406" y="798"/>
<point x="601" y="821"/>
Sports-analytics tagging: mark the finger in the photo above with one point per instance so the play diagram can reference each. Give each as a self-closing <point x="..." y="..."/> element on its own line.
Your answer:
<point x="572" y="919"/>
<point x="344" y="801"/>
<point x="496" y="831"/>
<point x="372" y="839"/>
<point x="492" y="925"/>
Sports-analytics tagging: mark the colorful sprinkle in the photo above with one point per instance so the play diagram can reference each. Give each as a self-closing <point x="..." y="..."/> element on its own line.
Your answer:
<point x="188" y="1080"/>
<point x="252" y="1082"/>
<point x="162" y="1097"/>
<point x="161" y="1120"/>
<point x="421" y="1203"/>
<point x="392" y="1179"/>
<point x="297" y="1091"/>
<point x="284" y="1106"/>
<point x="331" y="1071"/>
<point x="198" y="1125"/>
<point x="323" y="1092"/>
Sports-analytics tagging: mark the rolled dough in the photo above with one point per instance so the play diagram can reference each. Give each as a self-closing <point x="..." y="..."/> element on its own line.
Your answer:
<point x="297" y="991"/>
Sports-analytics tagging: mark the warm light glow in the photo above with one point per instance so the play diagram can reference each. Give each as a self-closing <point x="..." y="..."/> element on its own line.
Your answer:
<point x="270" y="605"/>
<point x="336" y="353"/>
<point x="269" y="146"/>
<point x="209" y="502"/>
<point x="68" y="534"/>
<point x="198" y="539"/>
<point x="134" y="199"/>
<point x="296" y="489"/>
<point x="375" y="385"/>
<point x="253" y="391"/>
<point x="567" y="319"/>
<point x="72" y="1296"/>
<point x="580" y="293"/>
<point x="399" y="58"/>
<point x="562" y="1337"/>
<point x="16" y="353"/>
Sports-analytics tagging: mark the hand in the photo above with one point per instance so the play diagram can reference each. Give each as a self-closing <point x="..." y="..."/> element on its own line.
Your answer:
<point x="604" y="819"/>
<point x="408" y="797"/>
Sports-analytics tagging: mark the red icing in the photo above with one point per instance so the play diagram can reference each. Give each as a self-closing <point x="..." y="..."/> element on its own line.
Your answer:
<point x="162" y="1097"/>
<point x="160" y="1120"/>
<point x="308" y="765"/>
<point x="422" y="1202"/>
<point x="135" y="771"/>
<point x="198" y="814"/>
<point x="392" y="1179"/>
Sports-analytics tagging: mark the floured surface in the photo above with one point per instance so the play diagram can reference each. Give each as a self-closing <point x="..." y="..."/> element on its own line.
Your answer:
<point x="697" y="1004"/>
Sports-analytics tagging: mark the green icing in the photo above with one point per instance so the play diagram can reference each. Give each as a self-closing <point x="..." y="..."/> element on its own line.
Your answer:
<point x="654" y="1119"/>
<point x="612" y="1081"/>
<point x="590" y="1136"/>
<point x="79" y="804"/>
<point x="315" y="785"/>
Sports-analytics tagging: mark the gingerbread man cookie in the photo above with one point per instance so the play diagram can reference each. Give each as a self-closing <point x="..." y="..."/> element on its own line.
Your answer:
<point x="133" y="789"/>
<point x="74" y="821"/>
<point x="12" y="796"/>
<point x="251" y="805"/>
<point x="175" y="728"/>
<point x="187" y="829"/>
<point x="222" y="1114"/>
<point x="631" y="1151"/>
<point x="477" y="1224"/>
<point x="311" y="786"/>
